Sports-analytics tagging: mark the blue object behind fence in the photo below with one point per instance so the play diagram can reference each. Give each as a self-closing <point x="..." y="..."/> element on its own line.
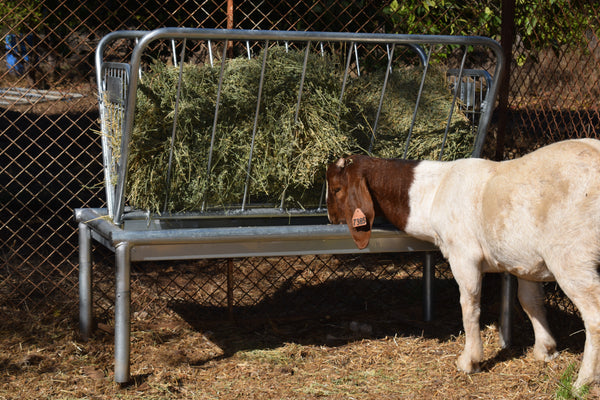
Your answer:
<point x="17" y="53"/>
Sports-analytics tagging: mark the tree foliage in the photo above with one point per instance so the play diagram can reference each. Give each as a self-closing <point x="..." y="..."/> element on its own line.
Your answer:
<point x="538" y="23"/>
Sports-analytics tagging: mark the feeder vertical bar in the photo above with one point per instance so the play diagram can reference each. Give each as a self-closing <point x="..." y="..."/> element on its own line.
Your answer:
<point x="305" y="62"/>
<point x="137" y="41"/>
<point x="345" y="80"/>
<point x="214" y="128"/>
<point x="106" y="147"/>
<point x="119" y="113"/>
<point x="482" y="89"/>
<point x="85" y="281"/>
<point x="385" y="81"/>
<point x="481" y="103"/>
<point x="255" y="127"/>
<point x="323" y="191"/>
<point x="488" y="104"/>
<point x="419" y="50"/>
<point x="176" y="113"/>
<point x="300" y="89"/>
<point x="122" y="312"/>
<point x="470" y="91"/>
<point x="458" y="85"/>
<point x="351" y="48"/>
<point x="174" y="51"/>
<point x="474" y="85"/>
<point x="210" y="54"/>
<point x="248" y="49"/>
<point x="356" y="56"/>
<point x="414" y="117"/>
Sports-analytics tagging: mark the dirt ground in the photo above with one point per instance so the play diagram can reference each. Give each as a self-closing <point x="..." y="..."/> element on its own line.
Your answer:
<point x="381" y="355"/>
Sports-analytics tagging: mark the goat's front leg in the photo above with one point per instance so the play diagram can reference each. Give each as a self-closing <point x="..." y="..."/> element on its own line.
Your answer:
<point x="468" y="276"/>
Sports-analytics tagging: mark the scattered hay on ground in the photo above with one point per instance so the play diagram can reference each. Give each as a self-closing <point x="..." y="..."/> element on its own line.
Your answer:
<point x="42" y="357"/>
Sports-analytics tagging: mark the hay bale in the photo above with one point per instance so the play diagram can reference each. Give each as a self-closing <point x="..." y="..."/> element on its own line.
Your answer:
<point x="289" y="157"/>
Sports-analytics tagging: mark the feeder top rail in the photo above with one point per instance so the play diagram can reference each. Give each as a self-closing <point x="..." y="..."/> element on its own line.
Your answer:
<point x="146" y="37"/>
<point x="116" y="191"/>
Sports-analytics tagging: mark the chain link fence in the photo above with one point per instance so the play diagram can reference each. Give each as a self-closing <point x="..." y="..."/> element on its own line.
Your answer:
<point x="555" y="79"/>
<point x="51" y="163"/>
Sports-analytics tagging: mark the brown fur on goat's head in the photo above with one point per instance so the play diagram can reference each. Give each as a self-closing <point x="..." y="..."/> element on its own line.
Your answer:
<point x="349" y="200"/>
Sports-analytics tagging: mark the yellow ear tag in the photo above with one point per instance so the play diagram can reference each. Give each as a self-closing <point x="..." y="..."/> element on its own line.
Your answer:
<point x="359" y="219"/>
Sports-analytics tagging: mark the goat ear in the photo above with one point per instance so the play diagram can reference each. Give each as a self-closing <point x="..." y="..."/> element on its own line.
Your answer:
<point x="360" y="213"/>
<point x="343" y="162"/>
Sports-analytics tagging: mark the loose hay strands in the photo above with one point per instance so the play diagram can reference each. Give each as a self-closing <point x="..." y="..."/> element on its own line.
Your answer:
<point x="292" y="146"/>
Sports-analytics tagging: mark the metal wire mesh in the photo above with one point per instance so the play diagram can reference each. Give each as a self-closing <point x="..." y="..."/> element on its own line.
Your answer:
<point x="554" y="88"/>
<point x="50" y="155"/>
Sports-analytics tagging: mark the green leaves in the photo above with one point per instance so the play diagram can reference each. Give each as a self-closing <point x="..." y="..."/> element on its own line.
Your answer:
<point x="20" y="16"/>
<point x="538" y="24"/>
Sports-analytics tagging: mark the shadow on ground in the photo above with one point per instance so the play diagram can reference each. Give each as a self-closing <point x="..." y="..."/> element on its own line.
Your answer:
<point x="394" y="310"/>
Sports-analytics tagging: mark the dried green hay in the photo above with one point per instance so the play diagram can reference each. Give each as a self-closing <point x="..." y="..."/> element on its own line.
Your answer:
<point x="289" y="157"/>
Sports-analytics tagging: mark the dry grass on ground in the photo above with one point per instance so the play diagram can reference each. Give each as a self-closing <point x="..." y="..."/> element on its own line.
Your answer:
<point x="361" y="357"/>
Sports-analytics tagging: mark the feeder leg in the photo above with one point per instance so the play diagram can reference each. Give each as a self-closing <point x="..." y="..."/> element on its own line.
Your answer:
<point x="428" y="277"/>
<point x="85" y="282"/>
<point x="122" y="313"/>
<point x="507" y="302"/>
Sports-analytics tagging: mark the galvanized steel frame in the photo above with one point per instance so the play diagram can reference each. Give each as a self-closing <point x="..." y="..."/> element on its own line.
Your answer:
<point x="142" y="237"/>
<point x="116" y="193"/>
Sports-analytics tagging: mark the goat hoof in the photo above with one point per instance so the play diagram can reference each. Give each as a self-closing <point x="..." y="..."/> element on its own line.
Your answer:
<point x="580" y="384"/>
<point x="465" y="364"/>
<point x="544" y="354"/>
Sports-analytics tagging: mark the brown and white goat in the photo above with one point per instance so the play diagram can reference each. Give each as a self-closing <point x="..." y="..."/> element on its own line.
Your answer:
<point x="537" y="217"/>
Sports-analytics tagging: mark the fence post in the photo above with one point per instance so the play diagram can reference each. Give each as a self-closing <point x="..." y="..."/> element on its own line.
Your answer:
<point x="508" y="24"/>
<point x="229" y="26"/>
<point x="507" y="39"/>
